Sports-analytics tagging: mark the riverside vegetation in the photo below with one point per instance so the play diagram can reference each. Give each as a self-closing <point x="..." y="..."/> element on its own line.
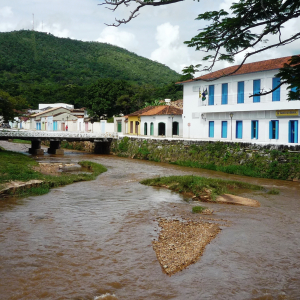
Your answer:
<point x="19" y="167"/>
<point x="263" y="161"/>
<point x="200" y="186"/>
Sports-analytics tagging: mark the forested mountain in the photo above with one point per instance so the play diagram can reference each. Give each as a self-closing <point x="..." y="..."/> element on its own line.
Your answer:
<point x="46" y="69"/>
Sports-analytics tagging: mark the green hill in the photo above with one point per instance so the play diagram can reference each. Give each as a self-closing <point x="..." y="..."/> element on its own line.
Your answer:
<point x="47" y="69"/>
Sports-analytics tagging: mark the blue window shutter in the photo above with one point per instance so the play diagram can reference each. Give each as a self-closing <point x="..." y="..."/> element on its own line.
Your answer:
<point x="256" y="90"/>
<point x="290" y="131"/>
<point x="276" y="93"/>
<point x="241" y="86"/>
<point x="211" y="129"/>
<point x="224" y="129"/>
<point x="211" y="95"/>
<point x="256" y="132"/>
<point x="252" y="129"/>
<point x="270" y="130"/>
<point x="239" y="129"/>
<point x="276" y="130"/>
<point x="296" y="132"/>
<point x="224" y="93"/>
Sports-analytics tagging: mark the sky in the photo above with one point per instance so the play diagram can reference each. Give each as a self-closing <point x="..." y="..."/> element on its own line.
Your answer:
<point x="157" y="33"/>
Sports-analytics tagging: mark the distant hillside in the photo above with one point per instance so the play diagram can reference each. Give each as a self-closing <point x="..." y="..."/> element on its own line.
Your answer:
<point x="44" y="68"/>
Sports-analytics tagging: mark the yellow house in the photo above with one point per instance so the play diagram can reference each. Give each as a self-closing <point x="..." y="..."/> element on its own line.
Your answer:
<point x="134" y="120"/>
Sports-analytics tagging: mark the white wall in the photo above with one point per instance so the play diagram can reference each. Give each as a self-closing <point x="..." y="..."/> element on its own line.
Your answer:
<point x="157" y="119"/>
<point x="197" y="113"/>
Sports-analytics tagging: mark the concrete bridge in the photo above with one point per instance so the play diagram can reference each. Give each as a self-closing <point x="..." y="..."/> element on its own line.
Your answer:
<point x="102" y="141"/>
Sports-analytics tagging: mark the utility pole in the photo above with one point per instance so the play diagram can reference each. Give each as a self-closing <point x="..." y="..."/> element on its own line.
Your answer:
<point x="32" y="22"/>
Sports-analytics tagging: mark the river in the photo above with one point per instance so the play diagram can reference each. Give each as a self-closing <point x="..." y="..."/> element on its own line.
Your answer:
<point x="93" y="240"/>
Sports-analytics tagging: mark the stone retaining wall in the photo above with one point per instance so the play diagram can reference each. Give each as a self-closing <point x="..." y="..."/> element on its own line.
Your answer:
<point x="267" y="161"/>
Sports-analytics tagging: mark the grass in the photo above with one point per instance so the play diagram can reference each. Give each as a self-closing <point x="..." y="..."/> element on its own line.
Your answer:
<point x="198" y="185"/>
<point x="16" y="166"/>
<point x="20" y="141"/>
<point x="198" y="209"/>
<point x="273" y="192"/>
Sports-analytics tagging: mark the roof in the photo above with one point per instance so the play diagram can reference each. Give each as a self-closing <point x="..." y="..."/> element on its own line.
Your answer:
<point x="139" y="112"/>
<point x="259" y="66"/>
<point x="47" y="111"/>
<point x="163" y="110"/>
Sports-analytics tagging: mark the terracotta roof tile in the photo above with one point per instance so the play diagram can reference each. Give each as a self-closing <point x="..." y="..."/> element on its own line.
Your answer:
<point x="259" y="66"/>
<point x="139" y="112"/>
<point x="163" y="110"/>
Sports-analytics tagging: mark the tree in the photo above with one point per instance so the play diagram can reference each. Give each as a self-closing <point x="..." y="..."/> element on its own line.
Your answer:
<point x="101" y="98"/>
<point x="249" y="25"/>
<point x="10" y="106"/>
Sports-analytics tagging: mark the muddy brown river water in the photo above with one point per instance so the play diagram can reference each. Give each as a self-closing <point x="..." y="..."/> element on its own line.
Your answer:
<point x="93" y="240"/>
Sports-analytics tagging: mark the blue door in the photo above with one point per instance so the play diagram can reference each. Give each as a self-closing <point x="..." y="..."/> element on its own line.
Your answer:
<point x="224" y="93"/>
<point x="54" y="125"/>
<point x="254" y="130"/>
<point x="239" y="129"/>
<point x="274" y="129"/>
<point x="293" y="131"/>
<point x="276" y="93"/>
<point x="211" y="95"/>
<point x="256" y="90"/>
<point x="211" y="129"/>
<point x="240" y="97"/>
<point x="224" y="129"/>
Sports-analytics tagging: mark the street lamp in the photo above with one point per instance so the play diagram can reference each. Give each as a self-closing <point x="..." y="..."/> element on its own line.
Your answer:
<point x="231" y="115"/>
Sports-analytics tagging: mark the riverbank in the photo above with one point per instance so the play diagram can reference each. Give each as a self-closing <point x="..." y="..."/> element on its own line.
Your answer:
<point x="21" y="176"/>
<point x="254" y="160"/>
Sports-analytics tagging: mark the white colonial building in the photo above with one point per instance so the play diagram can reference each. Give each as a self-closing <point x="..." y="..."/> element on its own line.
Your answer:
<point x="226" y="111"/>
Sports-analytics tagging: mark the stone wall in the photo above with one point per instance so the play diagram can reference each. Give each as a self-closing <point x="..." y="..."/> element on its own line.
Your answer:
<point x="266" y="161"/>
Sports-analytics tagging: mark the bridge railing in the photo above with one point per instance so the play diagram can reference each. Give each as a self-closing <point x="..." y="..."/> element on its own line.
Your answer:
<point x="53" y="134"/>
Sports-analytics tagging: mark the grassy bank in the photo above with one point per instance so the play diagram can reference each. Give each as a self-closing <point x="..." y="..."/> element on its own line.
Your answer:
<point x="198" y="186"/>
<point x="19" y="167"/>
<point x="262" y="161"/>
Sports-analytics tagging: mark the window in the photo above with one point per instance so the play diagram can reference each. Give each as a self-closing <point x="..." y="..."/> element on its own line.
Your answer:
<point x="239" y="129"/>
<point x="276" y="93"/>
<point x="254" y="129"/>
<point x="240" y="94"/>
<point x="224" y="129"/>
<point x="175" y="128"/>
<point x="274" y="130"/>
<point x="224" y="93"/>
<point x="151" y="128"/>
<point x="211" y="95"/>
<point x="119" y="126"/>
<point x="293" y="131"/>
<point x="294" y="90"/>
<point x="241" y="88"/>
<point x="161" y="128"/>
<point x="145" y="128"/>
<point x="211" y="129"/>
<point x="256" y="90"/>
<point x="131" y="126"/>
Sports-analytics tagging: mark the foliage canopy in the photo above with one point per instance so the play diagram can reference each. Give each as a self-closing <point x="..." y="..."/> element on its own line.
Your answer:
<point x="250" y="27"/>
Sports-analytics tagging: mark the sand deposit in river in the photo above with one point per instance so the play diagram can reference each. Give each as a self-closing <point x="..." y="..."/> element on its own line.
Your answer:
<point x="181" y="243"/>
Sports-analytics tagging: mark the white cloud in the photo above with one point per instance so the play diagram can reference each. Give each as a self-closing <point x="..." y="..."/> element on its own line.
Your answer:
<point x="115" y="36"/>
<point x="55" y="29"/>
<point x="171" y="52"/>
<point x="6" y="12"/>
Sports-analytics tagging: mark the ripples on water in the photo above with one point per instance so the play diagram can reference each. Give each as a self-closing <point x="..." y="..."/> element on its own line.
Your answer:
<point x="92" y="240"/>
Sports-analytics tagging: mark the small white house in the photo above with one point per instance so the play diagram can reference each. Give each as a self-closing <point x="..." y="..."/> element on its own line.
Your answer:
<point x="222" y="109"/>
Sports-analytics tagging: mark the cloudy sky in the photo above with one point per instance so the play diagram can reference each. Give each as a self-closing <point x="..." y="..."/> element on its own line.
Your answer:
<point x="157" y="33"/>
